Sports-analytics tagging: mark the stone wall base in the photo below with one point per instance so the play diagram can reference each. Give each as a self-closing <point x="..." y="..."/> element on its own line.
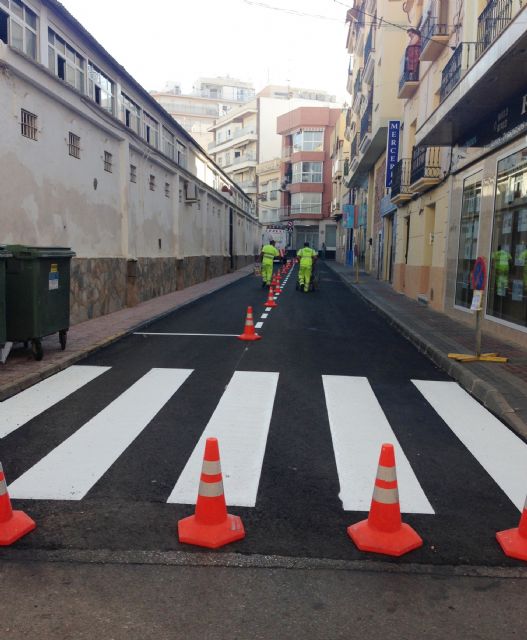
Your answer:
<point x="104" y="285"/>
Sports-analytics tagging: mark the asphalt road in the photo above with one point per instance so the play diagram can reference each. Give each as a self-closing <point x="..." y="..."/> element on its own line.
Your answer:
<point x="298" y="511"/>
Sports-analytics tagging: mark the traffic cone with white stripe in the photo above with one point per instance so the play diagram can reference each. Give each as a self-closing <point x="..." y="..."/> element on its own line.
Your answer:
<point x="383" y="531"/>
<point x="249" y="333"/>
<point x="13" y="524"/>
<point x="271" y="302"/>
<point x="211" y="526"/>
<point x="514" y="541"/>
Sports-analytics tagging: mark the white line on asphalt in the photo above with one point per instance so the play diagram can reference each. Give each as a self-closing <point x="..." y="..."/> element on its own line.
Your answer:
<point x="258" y="325"/>
<point x="499" y="451"/>
<point x="70" y="470"/>
<point x="206" y="335"/>
<point x="28" y="404"/>
<point x="268" y="308"/>
<point x="264" y="315"/>
<point x="358" y="429"/>
<point x="241" y="424"/>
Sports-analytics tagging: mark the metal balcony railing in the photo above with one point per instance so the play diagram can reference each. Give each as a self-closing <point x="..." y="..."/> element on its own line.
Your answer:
<point x="238" y="133"/>
<point x="365" y="121"/>
<point x="463" y="57"/>
<point x="354" y="146"/>
<point x="426" y="163"/>
<point x="401" y="177"/>
<point x="369" y="46"/>
<point x="410" y="65"/>
<point x="249" y="157"/>
<point x="432" y="25"/>
<point x="357" y="86"/>
<point x="492" y="21"/>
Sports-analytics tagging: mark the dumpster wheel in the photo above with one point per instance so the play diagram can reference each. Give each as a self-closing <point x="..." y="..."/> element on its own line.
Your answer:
<point x="36" y="348"/>
<point x="63" y="338"/>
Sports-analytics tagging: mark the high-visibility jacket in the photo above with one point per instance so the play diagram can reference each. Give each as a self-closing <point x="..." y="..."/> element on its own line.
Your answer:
<point x="269" y="252"/>
<point x="306" y="255"/>
<point x="502" y="259"/>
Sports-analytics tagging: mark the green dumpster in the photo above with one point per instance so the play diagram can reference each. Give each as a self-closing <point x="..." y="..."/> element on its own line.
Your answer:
<point x="37" y="294"/>
<point x="4" y="254"/>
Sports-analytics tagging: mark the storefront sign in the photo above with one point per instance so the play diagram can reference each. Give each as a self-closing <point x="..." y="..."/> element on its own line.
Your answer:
<point x="392" y="150"/>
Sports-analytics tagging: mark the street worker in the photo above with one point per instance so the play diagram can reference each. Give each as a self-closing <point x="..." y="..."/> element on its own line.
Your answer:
<point x="268" y="254"/>
<point x="307" y="257"/>
<point x="502" y="260"/>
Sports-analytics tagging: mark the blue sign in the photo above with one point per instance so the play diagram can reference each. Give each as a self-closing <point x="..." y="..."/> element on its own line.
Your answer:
<point x="392" y="149"/>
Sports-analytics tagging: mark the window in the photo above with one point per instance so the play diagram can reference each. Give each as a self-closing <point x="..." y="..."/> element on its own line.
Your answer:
<point x="65" y="62"/>
<point x="169" y="147"/>
<point x="74" y="145"/>
<point x="28" y="124"/>
<point x="307" y="172"/>
<point x="18" y="27"/>
<point x="108" y="162"/>
<point x="181" y="195"/>
<point x="150" y="130"/>
<point x="181" y="154"/>
<point x="130" y="114"/>
<point x="308" y="141"/>
<point x="468" y="239"/>
<point x="507" y="280"/>
<point x="167" y="190"/>
<point x="306" y="203"/>
<point x="133" y="173"/>
<point x="100" y="88"/>
<point x="152" y="183"/>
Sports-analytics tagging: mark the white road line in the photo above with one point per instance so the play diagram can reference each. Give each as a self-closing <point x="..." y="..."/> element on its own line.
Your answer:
<point x="69" y="471"/>
<point x="258" y="325"/>
<point x="264" y="315"/>
<point x="16" y="411"/>
<point x="358" y="428"/>
<point x="499" y="451"/>
<point x="241" y="424"/>
<point x="207" y="335"/>
<point x="268" y="309"/>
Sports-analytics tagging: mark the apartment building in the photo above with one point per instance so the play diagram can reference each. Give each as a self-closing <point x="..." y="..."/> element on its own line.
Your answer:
<point x="461" y="182"/>
<point x="306" y="175"/>
<point x="340" y="159"/>
<point x="88" y="159"/>
<point x="376" y="39"/>
<point x="210" y="99"/>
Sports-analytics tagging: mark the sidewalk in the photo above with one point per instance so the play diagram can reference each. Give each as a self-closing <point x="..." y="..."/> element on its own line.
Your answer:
<point x="502" y="388"/>
<point x="21" y="370"/>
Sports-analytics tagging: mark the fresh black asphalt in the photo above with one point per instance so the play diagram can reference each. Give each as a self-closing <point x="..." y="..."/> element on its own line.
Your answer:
<point x="298" y="512"/>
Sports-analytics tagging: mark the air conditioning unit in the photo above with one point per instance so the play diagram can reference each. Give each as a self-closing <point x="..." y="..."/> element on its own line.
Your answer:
<point x="191" y="192"/>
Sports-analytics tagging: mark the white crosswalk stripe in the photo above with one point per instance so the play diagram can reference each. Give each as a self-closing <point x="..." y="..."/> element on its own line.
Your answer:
<point x="358" y="429"/>
<point x="69" y="471"/>
<point x="241" y="424"/>
<point x="499" y="451"/>
<point x="20" y="409"/>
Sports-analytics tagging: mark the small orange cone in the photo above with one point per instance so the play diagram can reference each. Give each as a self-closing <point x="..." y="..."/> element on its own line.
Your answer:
<point x="249" y="333"/>
<point x="514" y="541"/>
<point x="13" y="524"/>
<point x="271" y="302"/>
<point x="211" y="526"/>
<point x="383" y="531"/>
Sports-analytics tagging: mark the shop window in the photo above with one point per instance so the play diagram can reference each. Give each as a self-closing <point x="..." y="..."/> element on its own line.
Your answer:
<point x="468" y="239"/>
<point x="507" y="290"/>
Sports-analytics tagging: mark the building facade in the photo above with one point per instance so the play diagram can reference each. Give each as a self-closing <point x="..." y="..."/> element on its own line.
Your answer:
<point x="90" y="160"/>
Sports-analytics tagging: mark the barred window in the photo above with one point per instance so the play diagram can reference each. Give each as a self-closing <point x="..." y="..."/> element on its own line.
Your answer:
<point x="108" y="162"/>
<point x="74" y="145"/>
<point x="28" y="124"/>
<point x="167" y="190"/>
<point x="133" y="173"/>
<point x="152" y="183"/>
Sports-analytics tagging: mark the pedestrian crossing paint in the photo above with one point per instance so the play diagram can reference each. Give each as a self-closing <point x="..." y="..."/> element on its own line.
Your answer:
<point x="358" y="429"/>
<point x="499" y="451"/>
<point x="241" y="424"/>
<point x="20" y="409"/>
<point x="71" y="469"/>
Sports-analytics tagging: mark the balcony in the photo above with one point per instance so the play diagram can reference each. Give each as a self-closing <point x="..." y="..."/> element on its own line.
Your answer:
<point x="238" y="134"/>
<point x="365" y="122"/>
<point x="401" y="182"/>
<point x="236" y="164"/>
<point x="287" y="152"/>
<point x="462" y="58"/>
<point x="249" y="186"/>
<point x="492" y="21"/>
<point x="349" y="83"/>
<point x="409" y="78"/>
<point x="357" y="91"/>
<point x="426" y="168"/>
<point x="435" y="31"/>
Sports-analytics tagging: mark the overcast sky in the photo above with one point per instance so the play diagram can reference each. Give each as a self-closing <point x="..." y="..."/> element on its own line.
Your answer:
<point x="180" y="40"/>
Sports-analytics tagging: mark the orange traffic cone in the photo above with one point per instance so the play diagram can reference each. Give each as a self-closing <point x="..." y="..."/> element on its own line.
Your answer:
<point x="271" y="302"/>
<point x="211" y="526"/>
<point x="514" y="541"/>
<point x="249" y="333"/>
<point x="13" y="524"/>
<point x="383" y="531"/>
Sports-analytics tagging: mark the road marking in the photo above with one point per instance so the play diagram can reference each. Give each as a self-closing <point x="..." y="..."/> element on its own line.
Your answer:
<point x="207" y="335"/>
<point x="268" y="309"/>
<point x="258" y="325"/>
<point x="71" y="469"/>
<point x="264" y="315"/>
<point x="499" y="451"/>
<point x="358" y="428"/>
<point x="16" y="411"/>
<point x="241" y="424"/>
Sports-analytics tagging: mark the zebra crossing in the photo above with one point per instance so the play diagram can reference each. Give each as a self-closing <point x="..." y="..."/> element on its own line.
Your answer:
<point x="241" y="421"/>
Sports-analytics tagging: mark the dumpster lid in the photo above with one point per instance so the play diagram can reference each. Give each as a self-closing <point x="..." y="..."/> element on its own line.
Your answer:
<point x="21" y="252"/>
